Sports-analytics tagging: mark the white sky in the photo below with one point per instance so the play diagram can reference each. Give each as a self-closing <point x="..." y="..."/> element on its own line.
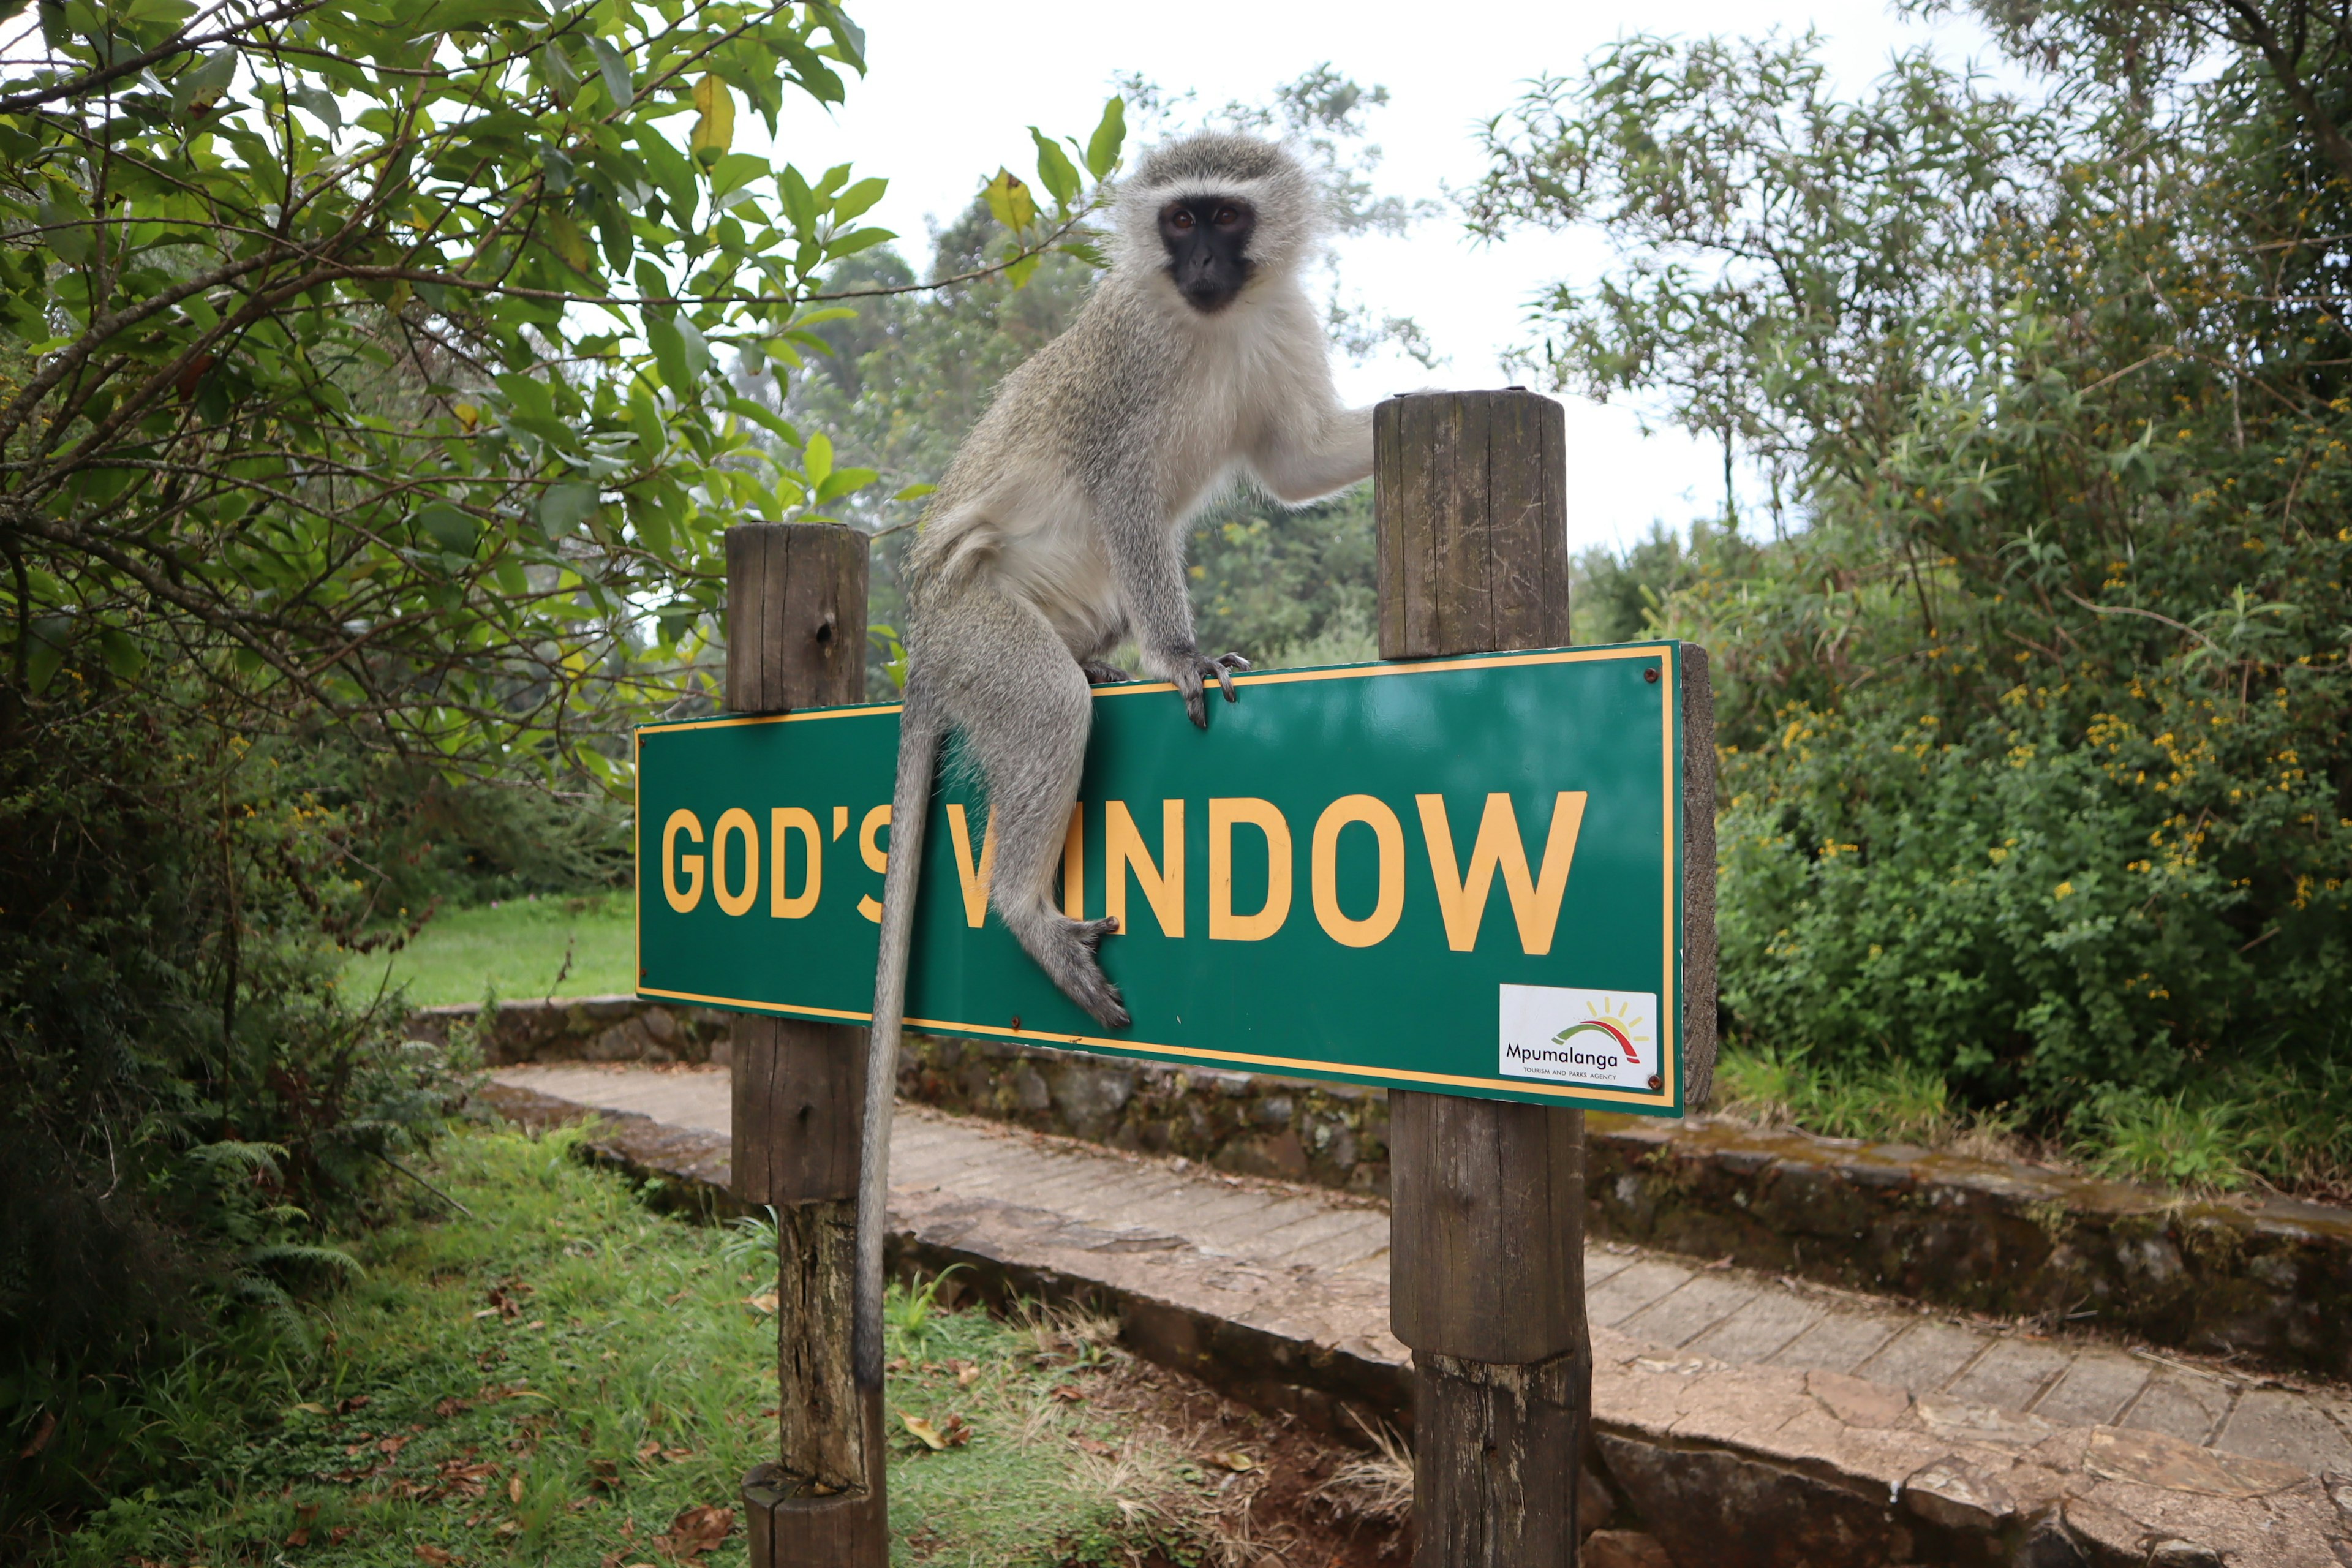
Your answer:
<point x="953" y="87"/>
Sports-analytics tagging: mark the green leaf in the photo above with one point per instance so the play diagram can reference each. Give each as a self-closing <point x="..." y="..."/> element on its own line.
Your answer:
<point x="199" y="88"/>
<point x="618" y="85"/>
<point x="63" y="215"/>
<point x="841" y="481"/>
<point x="1009" y="200"/>
<point x="1102" y="147"/>
<point x="450" y="528"/>
<point x="123" y="654"/>
<point x="46" y="649"/>
<point x="817" y="459"/>
<point x="1054" y="168"/>
<point x="916" y="492"/>
<point x="563" y="508"/>
<point x="669" y="355"/>
<point x="857" y="199"/>
<point x="855" y="240"/>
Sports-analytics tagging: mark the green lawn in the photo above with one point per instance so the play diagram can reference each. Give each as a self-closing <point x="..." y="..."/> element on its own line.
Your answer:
<point x="520" y="946"/>
<point x="565" y="1378"/>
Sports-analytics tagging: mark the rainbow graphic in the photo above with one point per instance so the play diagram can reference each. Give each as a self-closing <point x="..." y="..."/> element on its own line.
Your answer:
<point x="1612" y="1019"/>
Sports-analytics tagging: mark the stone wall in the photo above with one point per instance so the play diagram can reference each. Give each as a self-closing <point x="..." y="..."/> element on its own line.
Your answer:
<point x="585" y="1028"/>
<point x="1332" y="1134"/>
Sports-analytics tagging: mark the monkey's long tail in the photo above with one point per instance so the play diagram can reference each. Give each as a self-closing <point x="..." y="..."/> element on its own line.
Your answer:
<point x="919" y="733"/>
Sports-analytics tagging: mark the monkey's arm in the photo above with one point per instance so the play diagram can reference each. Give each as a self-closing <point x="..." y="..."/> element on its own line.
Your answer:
<point x="1148" y="563"/>
<point x="1305" y="457"/>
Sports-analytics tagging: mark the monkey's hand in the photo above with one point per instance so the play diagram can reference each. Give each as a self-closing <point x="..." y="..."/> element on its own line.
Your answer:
<point x="1192" y="673"/>
<point x="1098" y="673"/>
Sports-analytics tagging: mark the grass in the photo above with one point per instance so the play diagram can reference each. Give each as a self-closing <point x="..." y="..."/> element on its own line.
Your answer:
<point x="2275" y="1134"/>
<point x="551" y="945"/>
<point x="568" y="1380"/>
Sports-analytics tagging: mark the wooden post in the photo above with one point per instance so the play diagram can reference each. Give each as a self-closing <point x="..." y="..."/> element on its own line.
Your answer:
<point x="796" y="638"/>
<point x="1487" y="1266"/>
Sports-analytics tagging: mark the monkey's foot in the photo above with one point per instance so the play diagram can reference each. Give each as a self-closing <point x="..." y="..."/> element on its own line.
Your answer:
<point x="1098" y="673"/>
<point x="1065" y="950"/>
<point x="1193" y="673"/>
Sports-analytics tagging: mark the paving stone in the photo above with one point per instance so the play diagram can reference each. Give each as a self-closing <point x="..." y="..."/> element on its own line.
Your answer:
<point x="2274" y="1423"/>
<point x="1841" y="1342"/>
<point x="1925" y="1356"/>
<point x="2095" y="1389"/>
<point x="1761" y="1329"/>
<point x="1632" y="1288"/>
<point x="2184" y="1405"/>
<point x="1601" y="1265"/>
<point x="1697" y="1305"/>
<point x="2012" y="1374"/>
<point x="1353" y="1237"/>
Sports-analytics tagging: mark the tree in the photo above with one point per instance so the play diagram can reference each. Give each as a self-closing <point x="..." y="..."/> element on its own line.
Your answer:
<point x="2037" y="766"/>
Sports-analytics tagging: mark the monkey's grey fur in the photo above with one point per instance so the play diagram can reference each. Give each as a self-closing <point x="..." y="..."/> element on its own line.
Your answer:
<point x="1059" y="531"/>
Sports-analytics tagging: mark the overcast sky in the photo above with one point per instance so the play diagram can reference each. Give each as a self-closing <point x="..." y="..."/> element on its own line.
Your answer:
<point x="954" y="85"/>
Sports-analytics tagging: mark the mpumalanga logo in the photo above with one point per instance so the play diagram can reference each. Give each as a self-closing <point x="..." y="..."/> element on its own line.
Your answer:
<point x="1615" y="1022"/>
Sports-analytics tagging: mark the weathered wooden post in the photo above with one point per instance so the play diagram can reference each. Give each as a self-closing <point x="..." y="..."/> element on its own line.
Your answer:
<point x="1487" y="1266"/>
<point x="796" y="638"/>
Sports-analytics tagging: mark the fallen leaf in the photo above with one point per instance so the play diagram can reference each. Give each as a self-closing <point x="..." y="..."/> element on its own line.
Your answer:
<point x="649" y="1449"/>
<point x="40" y="1439"/>
<point x="356" y="1401"/>
<point x="390" y="1446"/>
<point x="1093" y="1446"/>
<point x="512" y="1527"/>
<point x="696" y="1530"/>
<point x="1239" y="1463"/>
<point x="675" y="1297"/>
<point x="341" y="1533"/>
<point x="968" y="1375"/>
<point x="764" y="1304"/>
<point x="308" y="1409"/>
<point x="434" y="1554"/>
<point x="1068" y="1392"/>
<point x="299" y="1536"/>
<point x="925" y="1430"/>
<point x="514" y="1490"/>
<point x="536" y="1323"/>
<point x="450" y="1404"/>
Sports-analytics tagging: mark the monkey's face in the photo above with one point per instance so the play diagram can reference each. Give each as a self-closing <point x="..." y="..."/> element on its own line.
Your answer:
<point x="1208" y="248"/>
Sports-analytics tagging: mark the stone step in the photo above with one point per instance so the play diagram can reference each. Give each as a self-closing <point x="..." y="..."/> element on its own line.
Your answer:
<point x="1279" y="1293"/>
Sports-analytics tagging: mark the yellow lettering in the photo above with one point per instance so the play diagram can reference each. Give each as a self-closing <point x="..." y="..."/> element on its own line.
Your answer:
<point x="736" y="820"/>
<point x="1323" y="870"/>
<point x="876" y="857"/>
<point x="1123" y="847"/>
<point x="782" y="822"/>
<point x="686" y="822"/>
<point x="1224" y="924"/>
<point x="840" y="820"/>
<point x="1074" y="864"/>
<point x="1535" y="901"/>
<point x="974" y="878"/>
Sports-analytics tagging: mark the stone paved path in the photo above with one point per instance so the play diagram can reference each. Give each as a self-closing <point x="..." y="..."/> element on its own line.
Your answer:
<point x="1280" y="1239"/>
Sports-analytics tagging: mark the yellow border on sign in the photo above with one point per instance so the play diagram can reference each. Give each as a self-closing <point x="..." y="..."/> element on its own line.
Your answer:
<point x="1671" y="1087"/>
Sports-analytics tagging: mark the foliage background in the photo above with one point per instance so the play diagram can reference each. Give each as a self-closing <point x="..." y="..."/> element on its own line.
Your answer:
<point x="2035" y="764"/>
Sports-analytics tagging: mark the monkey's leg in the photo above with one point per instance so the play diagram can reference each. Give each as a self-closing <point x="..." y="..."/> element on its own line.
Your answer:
<point x="1010" y="684"/>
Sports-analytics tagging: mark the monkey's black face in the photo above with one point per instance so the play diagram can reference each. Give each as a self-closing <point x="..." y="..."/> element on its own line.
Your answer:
<point x="1208" y="248"/>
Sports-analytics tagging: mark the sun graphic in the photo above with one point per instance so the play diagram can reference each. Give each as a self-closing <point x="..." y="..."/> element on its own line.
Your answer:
<point x="1615" y="1020"/>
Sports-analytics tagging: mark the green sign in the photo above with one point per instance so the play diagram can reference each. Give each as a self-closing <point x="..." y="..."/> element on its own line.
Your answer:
<point x="1464" y="876"/>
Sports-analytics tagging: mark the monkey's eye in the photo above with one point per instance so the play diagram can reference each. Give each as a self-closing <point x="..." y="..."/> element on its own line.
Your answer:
<point x="1227" y="216"/>
<point x="1180" y="219"/>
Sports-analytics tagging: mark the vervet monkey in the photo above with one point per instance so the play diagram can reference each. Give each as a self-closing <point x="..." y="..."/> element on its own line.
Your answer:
<point x="1058" y="532"/>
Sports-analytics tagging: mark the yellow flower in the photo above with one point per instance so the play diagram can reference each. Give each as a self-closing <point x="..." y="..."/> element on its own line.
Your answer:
<point x="2063" y="889"/>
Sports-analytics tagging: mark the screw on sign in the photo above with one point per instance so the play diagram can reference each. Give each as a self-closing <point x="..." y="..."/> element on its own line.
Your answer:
<point x="1480" y="873"/>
